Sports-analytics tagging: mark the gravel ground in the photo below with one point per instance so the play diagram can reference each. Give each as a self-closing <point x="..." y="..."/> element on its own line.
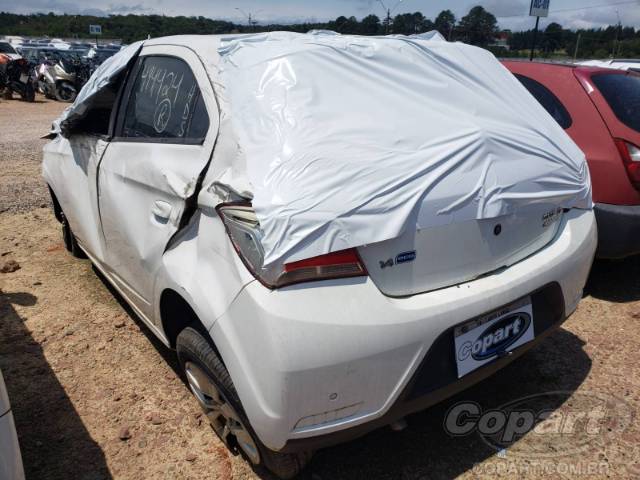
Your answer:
<point x="82" y="371"/>
<point x="21" y="126"/>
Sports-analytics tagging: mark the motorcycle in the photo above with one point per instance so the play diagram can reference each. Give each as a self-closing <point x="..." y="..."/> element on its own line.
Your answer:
<point x="17" y="76"/>
<point x="55" y="82"/>
<point x="62" y="79"/>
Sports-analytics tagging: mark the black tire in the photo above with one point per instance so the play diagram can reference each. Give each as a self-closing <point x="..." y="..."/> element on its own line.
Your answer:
<point x="70" y="242"/>
<point x="193" y="347"/>
<point x="65" y="92"/>
<point x="30" y="93"/>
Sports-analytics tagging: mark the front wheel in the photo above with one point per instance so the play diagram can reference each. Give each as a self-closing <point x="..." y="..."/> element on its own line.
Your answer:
<point x="65" y="92"/>
<point x="70" y="242"/>
<point x="211" y="384"/>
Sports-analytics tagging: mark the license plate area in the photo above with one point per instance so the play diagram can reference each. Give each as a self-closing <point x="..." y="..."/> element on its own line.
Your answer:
<point x="491" y="336"/>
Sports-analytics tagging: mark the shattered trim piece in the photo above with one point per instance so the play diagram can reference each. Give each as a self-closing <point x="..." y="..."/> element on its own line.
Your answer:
<point x="104" y="76"/>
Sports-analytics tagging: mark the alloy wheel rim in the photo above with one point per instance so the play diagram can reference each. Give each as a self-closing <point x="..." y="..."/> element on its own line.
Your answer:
<point x="223" y="417"/>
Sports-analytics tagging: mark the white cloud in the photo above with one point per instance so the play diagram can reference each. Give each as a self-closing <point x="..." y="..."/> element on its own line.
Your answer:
<point x="73" y="8"/>
<point x="506" y="8"/>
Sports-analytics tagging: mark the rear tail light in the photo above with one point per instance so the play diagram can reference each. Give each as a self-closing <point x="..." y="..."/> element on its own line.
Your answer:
<point x="630" y="154"/>
<point x="245" y="234"/>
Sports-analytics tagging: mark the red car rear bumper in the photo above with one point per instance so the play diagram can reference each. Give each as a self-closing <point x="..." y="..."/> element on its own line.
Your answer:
<point x="618" y="230"/>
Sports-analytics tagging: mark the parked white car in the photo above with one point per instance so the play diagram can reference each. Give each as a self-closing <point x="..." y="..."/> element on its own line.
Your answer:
<point x="10" y="459"/>
<point x="332" y="231"/>
<point x="7" y="49"/>
<point x="620" y="64"/>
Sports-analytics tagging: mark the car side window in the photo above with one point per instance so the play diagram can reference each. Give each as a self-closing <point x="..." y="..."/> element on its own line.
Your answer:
<point x="164" y="103"/>
<point x="548" y="100"/>
<point x="622" y="93"/>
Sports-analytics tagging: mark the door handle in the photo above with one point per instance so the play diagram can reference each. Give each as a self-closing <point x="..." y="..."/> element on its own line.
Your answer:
<point x="161" y="209"/>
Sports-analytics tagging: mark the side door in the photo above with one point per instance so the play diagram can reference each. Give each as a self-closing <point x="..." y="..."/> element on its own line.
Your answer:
<point x="165" y="131"/>
<point x="69" y="167"/>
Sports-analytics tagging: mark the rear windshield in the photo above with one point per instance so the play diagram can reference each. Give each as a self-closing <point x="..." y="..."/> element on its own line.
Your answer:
<point x="547" y="99"/>
<point x="622" y="93"/>
<point x="6" y="48"/>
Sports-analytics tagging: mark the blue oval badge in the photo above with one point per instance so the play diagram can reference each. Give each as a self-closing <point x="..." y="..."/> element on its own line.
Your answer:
<point x="405" y="257"/>
<point x="499" y="336"/>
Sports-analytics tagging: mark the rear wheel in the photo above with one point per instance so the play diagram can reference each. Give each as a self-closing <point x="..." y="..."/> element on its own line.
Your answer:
<point x="211" y="384"/>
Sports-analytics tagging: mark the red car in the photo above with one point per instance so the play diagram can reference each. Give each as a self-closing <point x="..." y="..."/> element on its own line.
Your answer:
<point x="600" y="109"/>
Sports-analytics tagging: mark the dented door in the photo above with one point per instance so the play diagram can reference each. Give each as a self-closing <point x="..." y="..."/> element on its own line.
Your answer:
<point x="69" y="167"/>
<point x="166" y="127"/>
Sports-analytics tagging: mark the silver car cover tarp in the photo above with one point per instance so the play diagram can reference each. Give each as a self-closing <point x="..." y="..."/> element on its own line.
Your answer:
<point x="345" y="138"/>
<point x="340" y="141"/>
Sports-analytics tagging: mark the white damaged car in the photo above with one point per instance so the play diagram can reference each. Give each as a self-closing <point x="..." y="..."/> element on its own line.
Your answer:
<point x="332" y="231"/>
<point x="10" y="460"/>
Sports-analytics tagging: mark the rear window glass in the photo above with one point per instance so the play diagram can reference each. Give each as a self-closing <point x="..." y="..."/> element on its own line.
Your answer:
<point x="548" y="100"/>
<point x="6" y="48"/>
<point x="166" y="103"/>
<point x="622" y="93"/>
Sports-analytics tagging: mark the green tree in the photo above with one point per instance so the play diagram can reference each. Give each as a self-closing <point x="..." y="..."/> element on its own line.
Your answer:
<point x="478" y="27"/>
<point x="445" y="22"/>
<point x="598" y="42"/>
<point x="346" y="25"/>
<point x="370" y="25"/>
<point x="410" y="23"/>
<point x="553" y="37"/>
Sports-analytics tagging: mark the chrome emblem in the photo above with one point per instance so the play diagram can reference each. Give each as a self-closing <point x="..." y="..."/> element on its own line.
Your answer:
<point x="386" y="263"/>
<point x="550" y="217"/>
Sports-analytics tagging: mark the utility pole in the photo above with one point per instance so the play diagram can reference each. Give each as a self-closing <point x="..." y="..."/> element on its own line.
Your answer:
<point x="388" y="11"/>
<point x="533" y="42"/>
<point x="575" y="52"/>
<point x="616" y="44"/>
<point x="538" y="8"/>
<point x="251" y="21"/>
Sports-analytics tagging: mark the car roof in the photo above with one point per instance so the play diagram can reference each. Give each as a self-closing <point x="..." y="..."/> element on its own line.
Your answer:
<point x="195" y="42"/>
<point x="524" y="66"/>
<point x="205" y="46"/>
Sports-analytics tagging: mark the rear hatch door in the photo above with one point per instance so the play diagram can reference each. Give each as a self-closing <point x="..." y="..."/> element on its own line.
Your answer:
<point x="424" y="259"/>
<point x="616" y="95"/>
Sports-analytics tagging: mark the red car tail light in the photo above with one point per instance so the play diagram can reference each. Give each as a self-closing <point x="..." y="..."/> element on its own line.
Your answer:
<point x="630" y="155"/>
<point x="244" y="232"/>
<point x="345" y="263"/>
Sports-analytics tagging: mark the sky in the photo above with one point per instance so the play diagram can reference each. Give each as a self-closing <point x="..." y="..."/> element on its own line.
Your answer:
<point x="511" y="13"/>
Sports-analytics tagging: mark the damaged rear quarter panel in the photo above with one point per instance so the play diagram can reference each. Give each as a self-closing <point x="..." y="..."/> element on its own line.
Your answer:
<point x="202" y="266"/>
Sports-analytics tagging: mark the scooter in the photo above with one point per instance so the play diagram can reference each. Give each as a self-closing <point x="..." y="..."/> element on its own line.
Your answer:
<point x="17" y="76"/>
<point x="55" y="81"/>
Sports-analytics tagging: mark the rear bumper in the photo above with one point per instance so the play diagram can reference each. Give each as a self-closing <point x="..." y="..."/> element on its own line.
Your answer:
<point x="618" y="230"/>
<point x="436" y="380"/>
<point x="318" y="364"/>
